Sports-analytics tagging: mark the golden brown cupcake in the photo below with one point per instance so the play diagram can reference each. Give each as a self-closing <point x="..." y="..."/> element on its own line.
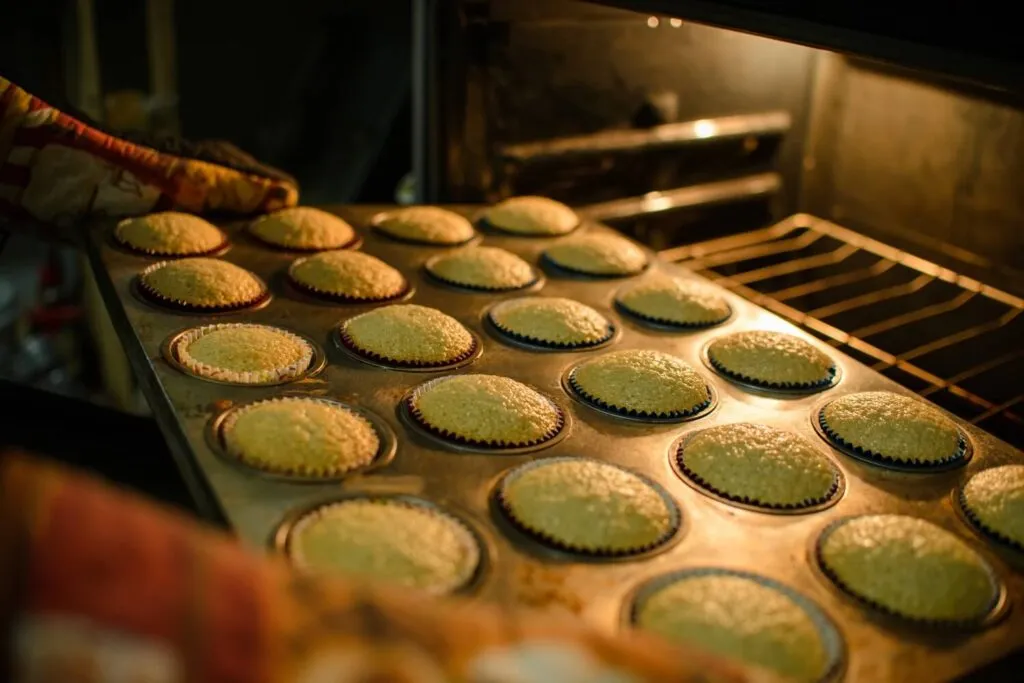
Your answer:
<point x="772" y="360"/>
<point x="202" y="284"/>
<point x="743" y="617"/>
<point x="408" y="335"/>
<point x="598" y="254"/>
<point x="587" y="506"/>
<point x="666" y="300"/>
<point x="532" y="216"/>
<point x="394" y="540"/>
<point x="485" y="410"/>
<point x="308" y="437"/>
<point x="426" y="225"/>
<point x="170" y="234"/>
<point x="641" y="383"/>
<point x="551" y="322"/>
<point x="243" y="353"/>
<point x="993" y="501"/>
<point x="347" y="276"/>
<point x="909" y="568"/>
<point x="303" y="228"/>
<point x="891" y="429"/>
<point x="758" y="465"/>
<point x="484" y="268"/>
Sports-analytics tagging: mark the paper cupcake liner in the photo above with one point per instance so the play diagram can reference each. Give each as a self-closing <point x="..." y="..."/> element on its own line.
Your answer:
<point x="290" y="372"/>
<point x="345" y="298"/>
<point x="544" y="538"/>
<point x="774" y="386"/>
<point x="481" y="288"/>
<point x="462" y="440"/>
<point x="169" y="254"/>
<point x="534" y="341"/>
<point x="983" y="529"/>
<point x="956" y="624"/>
<point x="887" y="461"/>
<point x="664" y="322"/>
<point x="587" y="274"/>
<point x="350" y="344"/>
<point x="636" y="414"/>
<point x="159" y="299"/>
<point x="303" y="471"/>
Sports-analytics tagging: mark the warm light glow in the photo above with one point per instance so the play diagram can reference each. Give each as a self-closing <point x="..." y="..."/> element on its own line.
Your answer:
<point x="653" y="22"/>
<point x="705" y="128"/>
<point x="656" y="201"/>
<point x="676" y="23"/>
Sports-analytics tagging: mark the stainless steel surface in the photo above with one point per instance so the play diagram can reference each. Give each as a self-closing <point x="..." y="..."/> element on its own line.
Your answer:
<point x="714" y="533"/>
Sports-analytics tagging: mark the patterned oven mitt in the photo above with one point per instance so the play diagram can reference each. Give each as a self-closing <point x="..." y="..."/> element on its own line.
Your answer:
<point x="58" y="170"/>
<point x="96" y="585"/>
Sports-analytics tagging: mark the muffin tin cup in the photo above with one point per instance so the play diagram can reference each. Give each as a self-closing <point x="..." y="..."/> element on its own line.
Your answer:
<point x="481" y="222"/>
<point x="504" y="513"/>
<point x="573" y="389"/>
<point x="559" y="270"/>
<point x="769" y="388"/>
<point x="331" y="297"/>
<point x="377" y="219"/>
<point x="123" y="246"/>
<point x="151" y="297"/>
<point x="831" y="637"/>
<point x="345" y="343"/>
<point x="532" y="344"/>
<point x="897" y="620"/>
<point x="664" y="325"/>
<point x="700" y="485"/>
<point x="280" y="539"/>
<point x="385" y="451"/>
<point x="985" y="532"/>
<point x="954" y="462"/>
<point x="536" y="283"/>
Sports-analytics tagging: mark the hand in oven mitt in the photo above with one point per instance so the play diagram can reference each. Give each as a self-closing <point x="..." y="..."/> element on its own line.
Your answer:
<point x="57" y="170"/>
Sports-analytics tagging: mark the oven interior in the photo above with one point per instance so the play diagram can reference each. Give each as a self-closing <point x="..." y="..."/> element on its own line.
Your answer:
<point x="877" y="208"/>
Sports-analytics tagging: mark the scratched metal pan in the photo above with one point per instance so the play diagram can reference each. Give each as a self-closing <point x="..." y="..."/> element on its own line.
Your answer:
<point x="714" y="533"/>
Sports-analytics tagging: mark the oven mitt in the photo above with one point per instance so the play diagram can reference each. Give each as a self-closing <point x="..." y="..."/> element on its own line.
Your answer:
<point x="58" y="170"/>
<point x="98" y="585"/>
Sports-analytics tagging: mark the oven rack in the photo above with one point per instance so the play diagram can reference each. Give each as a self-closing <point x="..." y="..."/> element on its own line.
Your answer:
<point x="950" y="338"/>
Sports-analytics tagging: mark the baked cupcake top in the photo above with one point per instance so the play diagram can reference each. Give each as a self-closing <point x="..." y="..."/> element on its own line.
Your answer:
<point x="426" y="225"/>
<point x="673" y="301"/>
<point x="303" y="227"/>
<point x="587" y="506"/>
<point x="892" y="427"/>
<point x="387" y="539"/>
<point x="486" y="410"/>
<point x="243" y="353"/>
<point x="908" y="567"/>
<point x="348" y="275"/>
<point x="598" y="254"/>
<point x="409" y="334"/>
<point x="994" y="500"/>
<point x="170" y="234"/>
<point x="758" y="465"/>
<point x="304" y="436"/>
<point x="641" y="382"/>
<point x="529" y="215"/>
<point x="771" y="359"/>
<point x="488" y="268"/>
<point x="202" y="283"/>
<point x="551" y="321"/>
<point x="739" y="617"/>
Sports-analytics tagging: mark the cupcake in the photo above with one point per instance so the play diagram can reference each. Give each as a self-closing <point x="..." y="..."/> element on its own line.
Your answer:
<point x="598" y="254"/>
<point x="641" y="383"/>
<point x="532" y="216"/>
<point x="587" y="507"/>
<point x="347" y="276"/>
<point x="243" y="353"/>
<point x="396" y="540"/>
<point x="551" y="322"/>
<point x="303" y="228"/>
<point x="485" y="411"/>
<point x="758" y="466"/>
<point x="909" y="568"/>
<point x="993" y="501"/>
<point x="890" y="429"/>
<point x="407" y="335"/>
<point x="671" y="301"/>
<point x="483" y="268"/>
<point x="771" y="360"/>
<point x="430" y="225"/>
<point x="308" y="437"/>
<point x="201" y="284"/>
<point x="170" y="234"/>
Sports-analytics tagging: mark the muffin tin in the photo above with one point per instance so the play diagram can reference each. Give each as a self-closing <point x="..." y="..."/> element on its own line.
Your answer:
<point x="714" y="533"/>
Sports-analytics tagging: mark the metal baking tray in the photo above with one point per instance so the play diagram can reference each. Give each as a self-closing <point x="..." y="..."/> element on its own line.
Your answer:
<point x="714" y="533"/>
